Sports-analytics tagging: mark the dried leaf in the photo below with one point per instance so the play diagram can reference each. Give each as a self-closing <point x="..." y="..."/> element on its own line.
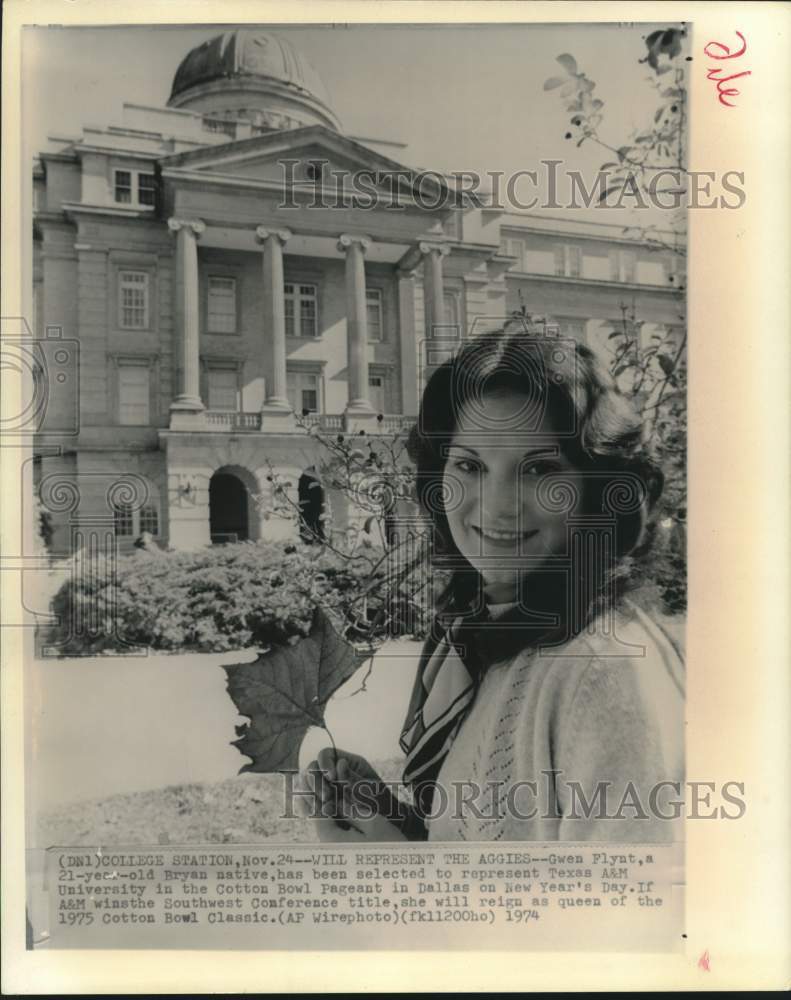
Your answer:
<point x="285" y="691"/>
<point x="569" y="63"/>
<point x="553" y="81"/>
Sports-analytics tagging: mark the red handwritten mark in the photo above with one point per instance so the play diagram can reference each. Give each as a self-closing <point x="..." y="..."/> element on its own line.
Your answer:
<point x="703" y="961"/>
<point x="714" y="74"/>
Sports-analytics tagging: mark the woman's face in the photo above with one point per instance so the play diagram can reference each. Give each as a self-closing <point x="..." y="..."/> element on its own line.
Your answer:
<point x="494" y="465"/>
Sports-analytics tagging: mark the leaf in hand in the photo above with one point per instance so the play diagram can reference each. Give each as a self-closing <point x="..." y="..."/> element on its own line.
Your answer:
<point x="285" y="691"/>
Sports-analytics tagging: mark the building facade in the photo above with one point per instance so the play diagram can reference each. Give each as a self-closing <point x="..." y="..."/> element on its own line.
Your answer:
<point x="223" y="294"/>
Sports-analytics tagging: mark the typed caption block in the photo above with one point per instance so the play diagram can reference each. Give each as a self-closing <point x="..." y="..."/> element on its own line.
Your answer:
<point x="570" y="897"/>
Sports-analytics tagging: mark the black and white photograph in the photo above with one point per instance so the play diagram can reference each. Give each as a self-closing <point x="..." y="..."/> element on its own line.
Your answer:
<point x="354" y="482"/>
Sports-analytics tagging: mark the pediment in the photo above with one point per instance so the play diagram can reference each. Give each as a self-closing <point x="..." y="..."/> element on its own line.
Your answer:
<point x="296" y="165"/>
<point x="290" y="157"/>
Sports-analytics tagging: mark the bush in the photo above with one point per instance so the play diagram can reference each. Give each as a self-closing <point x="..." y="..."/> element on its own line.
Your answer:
<point x="221" y="598"/>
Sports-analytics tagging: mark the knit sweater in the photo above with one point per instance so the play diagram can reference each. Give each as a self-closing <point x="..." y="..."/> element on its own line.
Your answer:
<point x="547" y="727"/>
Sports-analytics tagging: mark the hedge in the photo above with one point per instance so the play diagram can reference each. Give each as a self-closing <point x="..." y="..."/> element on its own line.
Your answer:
<point x="220" y="598"/>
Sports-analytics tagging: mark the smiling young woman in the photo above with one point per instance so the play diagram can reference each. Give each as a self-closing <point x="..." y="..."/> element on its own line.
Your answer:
<point x="499" y="513"/>
<point x="546" y="706"/>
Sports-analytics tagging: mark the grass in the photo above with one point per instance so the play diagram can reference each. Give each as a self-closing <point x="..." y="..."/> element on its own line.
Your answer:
<point x="247" y="809"/>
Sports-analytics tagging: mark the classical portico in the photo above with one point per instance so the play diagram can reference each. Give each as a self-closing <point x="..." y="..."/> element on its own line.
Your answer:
<point x="274" y="242"/>
<point x="332" y="305"/>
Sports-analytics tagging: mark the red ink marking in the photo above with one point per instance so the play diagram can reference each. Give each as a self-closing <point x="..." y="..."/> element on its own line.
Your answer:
<point x="726" y="50"/>
<point x="703" y="961"/>
<point x="714" y="73"/>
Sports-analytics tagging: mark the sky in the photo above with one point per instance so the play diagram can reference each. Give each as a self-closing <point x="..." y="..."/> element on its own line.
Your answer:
<point x="461" y="97"/>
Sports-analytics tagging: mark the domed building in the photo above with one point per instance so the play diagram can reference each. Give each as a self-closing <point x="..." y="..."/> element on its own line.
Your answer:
<point x="256" y="75"/>
<point x="232" y="270"/>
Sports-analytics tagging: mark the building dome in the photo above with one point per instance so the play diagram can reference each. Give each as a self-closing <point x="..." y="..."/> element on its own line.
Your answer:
<point x="252" y="74"/>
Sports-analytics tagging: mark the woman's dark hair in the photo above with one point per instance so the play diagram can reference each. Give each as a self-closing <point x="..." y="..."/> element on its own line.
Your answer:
<point x="600" y="432"/>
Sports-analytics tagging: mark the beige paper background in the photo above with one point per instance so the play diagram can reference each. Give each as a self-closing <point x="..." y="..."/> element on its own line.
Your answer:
<point x="738" y="641"/>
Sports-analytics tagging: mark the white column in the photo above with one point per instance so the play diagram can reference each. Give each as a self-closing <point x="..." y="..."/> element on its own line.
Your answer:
<point x="407" y="344"/>
<point x="433" y="287"/>
<point x="274" y="317"/>
<point x="356" y="323"/>
<point x="188" y="355"/>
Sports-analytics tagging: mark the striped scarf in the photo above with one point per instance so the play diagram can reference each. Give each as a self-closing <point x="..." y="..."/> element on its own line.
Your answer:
<point x="447" y="681"/>
<point x="443" y="693"/>
<point x="448" y="676"/>
<point x="452" y="666"/>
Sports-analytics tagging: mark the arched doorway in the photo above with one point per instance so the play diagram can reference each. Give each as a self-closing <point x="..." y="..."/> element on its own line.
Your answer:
<point x="312" y="507"/>
<point x="229" y="519"/>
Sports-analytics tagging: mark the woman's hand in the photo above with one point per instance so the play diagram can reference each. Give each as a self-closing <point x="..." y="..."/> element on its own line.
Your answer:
<point x="350" y="801"/>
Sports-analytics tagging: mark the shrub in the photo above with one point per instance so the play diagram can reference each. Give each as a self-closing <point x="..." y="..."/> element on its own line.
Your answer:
<point x="225" y="597"/>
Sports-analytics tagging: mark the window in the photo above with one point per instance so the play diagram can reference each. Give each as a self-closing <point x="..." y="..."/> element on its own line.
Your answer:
<point x="373" y="303"/>
<point x="628" y="265"/>
<point x="568" y="261"/>
<point x="134" y="187"/>
<point x="123" y="186"/>
<point x="560" y="260"/>
<point x="223" y="389"/>
<point x="376" y="393"/>
<point x="303" y="391"/>
<point x="450" y="301"/>
<point x="133" y="393"/>
<point x="221" y="311"/>
<point x="452" y="227"/>
<point x="122" y="520"/>
<point x="128" y="523"/>
<point x="133" y="300"/>
<point x="146" y="189"/>
<point x="149" y="520"/>
<point x="301" y="315"/>
<point x="672" y="268"/>
<point x="515" y="248"/>
<point x="623" y="265"/>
